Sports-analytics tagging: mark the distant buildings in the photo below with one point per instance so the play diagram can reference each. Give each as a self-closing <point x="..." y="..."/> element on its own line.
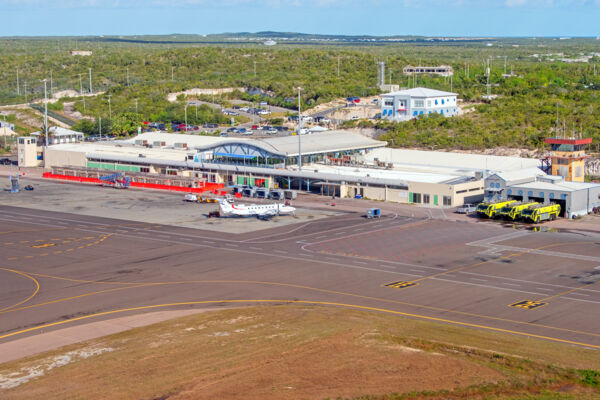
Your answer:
<point x="80" y="52"/>
<point x="443" y="70"/>
<point x="407" y="104"/>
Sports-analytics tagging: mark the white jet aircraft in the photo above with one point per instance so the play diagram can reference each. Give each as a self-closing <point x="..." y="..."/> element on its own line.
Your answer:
<point x="254" y="210"/>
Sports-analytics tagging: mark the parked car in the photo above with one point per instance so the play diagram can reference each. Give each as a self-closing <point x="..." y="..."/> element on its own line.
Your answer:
<point x="210" y="126"/>
<point x="244" y="109"/>
<point x="264" y="112"/>
<point x="235" y="107"/>
<point x="5" y="161"/>
<point x="232" y="130"/>
<point x="466" y="209"/>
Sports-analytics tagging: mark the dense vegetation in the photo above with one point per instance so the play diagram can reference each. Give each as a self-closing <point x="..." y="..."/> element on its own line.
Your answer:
<point x="524" y="113"/>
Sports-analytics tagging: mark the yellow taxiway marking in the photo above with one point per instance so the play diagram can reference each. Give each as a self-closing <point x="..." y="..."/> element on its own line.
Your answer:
<point x="325" y="303"/>
<point x="400" y="284"/>
<point x="37" y="288"/>
<point x="132" y="285"/>
<point x="69" y="240"/>
<point x="528" y="304"/>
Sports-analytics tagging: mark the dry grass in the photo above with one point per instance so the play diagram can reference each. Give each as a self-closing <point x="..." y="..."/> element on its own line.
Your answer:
<point x="290" y="352"/>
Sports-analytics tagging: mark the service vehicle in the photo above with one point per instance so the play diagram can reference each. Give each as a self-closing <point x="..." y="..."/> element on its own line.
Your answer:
<point x="541" y="212"/>
<point x="491" y="210"/>
<point x="513" y="212"/>
<point x="466" y="209"/>
<point x="190" y="197"/>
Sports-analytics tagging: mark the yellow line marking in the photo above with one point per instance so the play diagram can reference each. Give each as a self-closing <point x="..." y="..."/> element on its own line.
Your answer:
<point x="494" y="259"/>
<point x="37" y="288"/>
<point x="71" y="298"/>
<point x="325" y="303"/>
<point x="11" y="258"/>
<point x="564" y="293"/>
<point x="131" y="285"/>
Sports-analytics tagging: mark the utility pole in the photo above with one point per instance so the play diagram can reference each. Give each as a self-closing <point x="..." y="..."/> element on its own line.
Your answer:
<point x="91" y="91"/>
<point x="81" y="92"/>
<point x="109" y="109"/>
<point x="18" y="90"/>
<point x="172" y="74"/>
<point x="136" y="106"/>
<point x="390" y="75"/>
<point x="25" y="90"/>
<point x="127" y="76"/>
<point x="100" y="127"/>
<point x="255" y="69"/>
<point x="299" y="134"/>
<point x="45" y="114"/>
<point x="185" y="112"/>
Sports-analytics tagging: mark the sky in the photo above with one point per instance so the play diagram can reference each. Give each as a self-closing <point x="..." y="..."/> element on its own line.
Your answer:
<point x="346" y="17"/>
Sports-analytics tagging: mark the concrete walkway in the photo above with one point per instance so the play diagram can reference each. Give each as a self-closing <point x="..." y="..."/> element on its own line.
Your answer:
<point x="43" y="342"/>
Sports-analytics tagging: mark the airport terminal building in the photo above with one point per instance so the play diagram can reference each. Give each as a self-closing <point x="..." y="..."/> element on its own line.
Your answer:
<point x="334" y="163"/>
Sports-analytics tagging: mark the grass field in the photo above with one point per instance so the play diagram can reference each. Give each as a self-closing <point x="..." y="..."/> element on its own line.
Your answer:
<point x="292" y="352"/>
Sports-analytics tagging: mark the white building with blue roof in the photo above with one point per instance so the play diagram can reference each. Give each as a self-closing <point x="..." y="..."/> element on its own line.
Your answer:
<point x="410" y="103"/>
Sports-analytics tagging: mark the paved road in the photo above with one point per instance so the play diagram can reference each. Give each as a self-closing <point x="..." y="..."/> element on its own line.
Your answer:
<point x="59" y="270"/>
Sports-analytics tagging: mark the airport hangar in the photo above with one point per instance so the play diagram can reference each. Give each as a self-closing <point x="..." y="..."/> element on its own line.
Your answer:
<point x="335" y="163"/>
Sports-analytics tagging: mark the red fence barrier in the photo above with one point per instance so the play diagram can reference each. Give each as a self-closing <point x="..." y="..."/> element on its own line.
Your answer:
<point x="206" y="188"/>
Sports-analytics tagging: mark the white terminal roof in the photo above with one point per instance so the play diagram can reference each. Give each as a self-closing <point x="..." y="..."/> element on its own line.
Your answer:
<point x="320" y="142"/>
<point x="421" y="92"/>
<point x="558" y="185"/>
<point x="408" y="165"/>
<point x="387" y="174"/>
<point x="447" y="162"/>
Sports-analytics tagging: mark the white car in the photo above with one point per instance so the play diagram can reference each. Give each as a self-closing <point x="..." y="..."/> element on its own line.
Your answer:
<point x="245" y="109"/>
<point x="466" y="209"/>
<point x="190" y="197"/>
<point x="264" y="112"/>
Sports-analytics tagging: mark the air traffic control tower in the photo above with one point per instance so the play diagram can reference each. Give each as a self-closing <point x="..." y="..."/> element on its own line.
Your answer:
<point x="568" y="157"/>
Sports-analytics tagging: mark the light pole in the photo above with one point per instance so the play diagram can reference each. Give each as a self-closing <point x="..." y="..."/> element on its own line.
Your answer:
<point x="81" y="92"/>
<point x="91" y="91"/>
<point x="109" y="109"/>
<point x="136" y="106"/>
<point x="45" y="114"/>
<point x="299" y="133"/>
<point x="185" y="112"/>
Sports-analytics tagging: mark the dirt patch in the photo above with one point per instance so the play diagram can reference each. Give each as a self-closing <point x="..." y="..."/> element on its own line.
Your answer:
<point x="172" y="97"/>
<point x="339" y="366"/>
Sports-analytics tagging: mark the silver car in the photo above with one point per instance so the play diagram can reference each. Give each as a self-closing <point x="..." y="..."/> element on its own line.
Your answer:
<point x="466" y="209"/>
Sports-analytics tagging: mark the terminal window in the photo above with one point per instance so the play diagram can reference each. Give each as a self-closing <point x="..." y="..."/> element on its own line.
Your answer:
<point x="416" y="197"/>
<point x="426" y="199"/>
<point x="419" y="103"/>
<point x="447" y="201"/>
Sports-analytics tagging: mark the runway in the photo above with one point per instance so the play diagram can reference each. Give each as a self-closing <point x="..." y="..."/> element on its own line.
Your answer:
<point x="59" y="269"/>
